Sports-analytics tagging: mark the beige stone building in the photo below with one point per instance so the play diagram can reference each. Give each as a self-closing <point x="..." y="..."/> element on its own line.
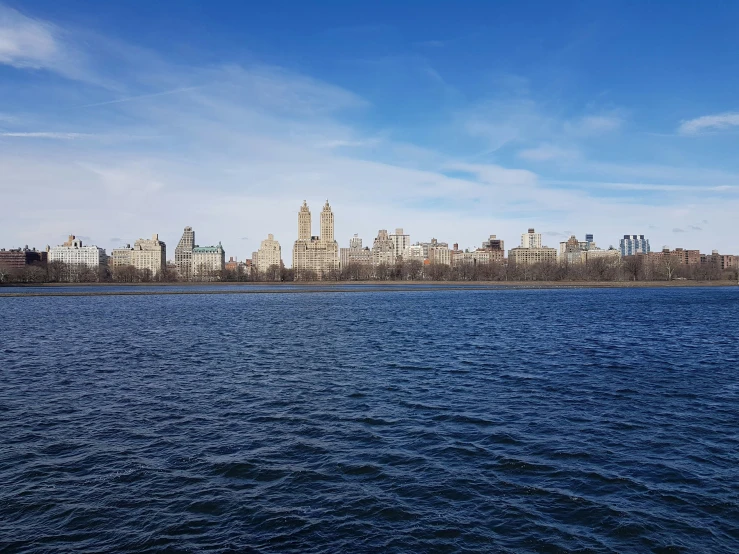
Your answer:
<point x="121" y="257"/>
<point x="150" y="254"/>
<point x="383" y="249"/>
<point x="440" y="254"/>
<point x="146" y="255"/>
<point x="268" y="255"/>
<point x="315" y="255"/>
<point x="523" y="256"/>
<point x="207" y="262"/>
<point x="355" y="254"/>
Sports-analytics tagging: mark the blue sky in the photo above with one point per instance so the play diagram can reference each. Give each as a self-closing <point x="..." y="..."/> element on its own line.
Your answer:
<point x="451" y="120"/>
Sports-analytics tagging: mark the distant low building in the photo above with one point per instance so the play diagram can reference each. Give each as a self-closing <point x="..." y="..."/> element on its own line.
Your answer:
<point x="529" y="256"/>
<point x="73" y="253"/>
<point x="21" y="257"/>
<point x="207" y="262"/>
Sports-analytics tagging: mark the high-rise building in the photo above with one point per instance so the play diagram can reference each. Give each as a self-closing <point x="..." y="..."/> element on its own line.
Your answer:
<point x="631" y="245"/>
<point x="383" y="249"/>
<point x="207" y="262"/>
<point x="531" y="239"/>
<point x="355" y="241"/>
<point x="531" y="250"/>
<point x="183" y="253"/>
<point x="401" y="242"/>
<point x="315" y="255"/>
<point x="150" y="254"/>
<point x="269" y="254"/>
<point x="438" y="252"/>
<point x="494" y="243"/>
<point x="355" y="254"/>
<point x="73" y="253"/>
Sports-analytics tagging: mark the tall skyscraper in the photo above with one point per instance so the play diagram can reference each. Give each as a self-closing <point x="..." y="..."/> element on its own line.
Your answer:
<point x="183" y="253"/>
<point x="304" y="222"/>
<point x="315" y="255"/>
<point x="327" y="224"/>
<point x="634" y="244"/>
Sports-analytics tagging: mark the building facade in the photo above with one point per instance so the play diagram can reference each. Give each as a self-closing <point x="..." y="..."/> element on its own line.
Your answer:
<point x="73" y="253"/>
<point x="527" y="256"/>
<point x="183" y="253"/>
<point x="355" y="241"/>
<point x="355" y="254"/>
<point x="315" y="255"/>
<point x="531" y="239"/>
<point x="401" y="242"/>
<point x="207" y="262"/>
<point x="269" y="254"/>
<point x="146" y="255"/>
<point x="21" y="257"/>
<point x="150" y="255"/>
<point x="631" y="245"/>
<point x="383" y="249"/>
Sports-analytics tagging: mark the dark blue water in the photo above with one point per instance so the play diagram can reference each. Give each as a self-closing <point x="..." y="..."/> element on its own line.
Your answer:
<point x="431" y="421"/>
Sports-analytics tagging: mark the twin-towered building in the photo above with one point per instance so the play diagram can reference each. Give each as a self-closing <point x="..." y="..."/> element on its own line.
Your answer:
<point x="315" y="256"/>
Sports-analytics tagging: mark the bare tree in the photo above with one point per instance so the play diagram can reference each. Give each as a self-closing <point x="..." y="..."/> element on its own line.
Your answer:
<point x="633" y="266"/>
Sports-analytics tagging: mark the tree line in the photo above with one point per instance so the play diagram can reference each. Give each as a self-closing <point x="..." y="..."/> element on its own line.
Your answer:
<point x="631" y="268"/>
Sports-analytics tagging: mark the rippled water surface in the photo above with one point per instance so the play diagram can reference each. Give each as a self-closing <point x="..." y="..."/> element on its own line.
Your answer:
<point x="426" y="421"/>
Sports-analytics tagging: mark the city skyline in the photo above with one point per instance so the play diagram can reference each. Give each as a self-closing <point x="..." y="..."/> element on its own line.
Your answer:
<point x="527" y="239"/>
<point x="113" y="120"/>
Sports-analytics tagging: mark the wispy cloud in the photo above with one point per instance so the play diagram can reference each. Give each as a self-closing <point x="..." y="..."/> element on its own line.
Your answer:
<point x="706" y="123"/>
<point x="25" y="42"/>
<point x="548" y="152"/>
<point x="678" y="230"/>
<point x="47" y="135"/>
<point x="139" y="97"/>
<point x="593" y="125"/>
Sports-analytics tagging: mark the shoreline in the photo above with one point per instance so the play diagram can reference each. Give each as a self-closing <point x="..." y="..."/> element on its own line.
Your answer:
<point x="143" y="289"/>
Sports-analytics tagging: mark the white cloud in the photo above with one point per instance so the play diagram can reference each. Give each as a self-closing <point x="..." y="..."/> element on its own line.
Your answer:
<point x="709" y="123"/>
<point x="25" y="42"/>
